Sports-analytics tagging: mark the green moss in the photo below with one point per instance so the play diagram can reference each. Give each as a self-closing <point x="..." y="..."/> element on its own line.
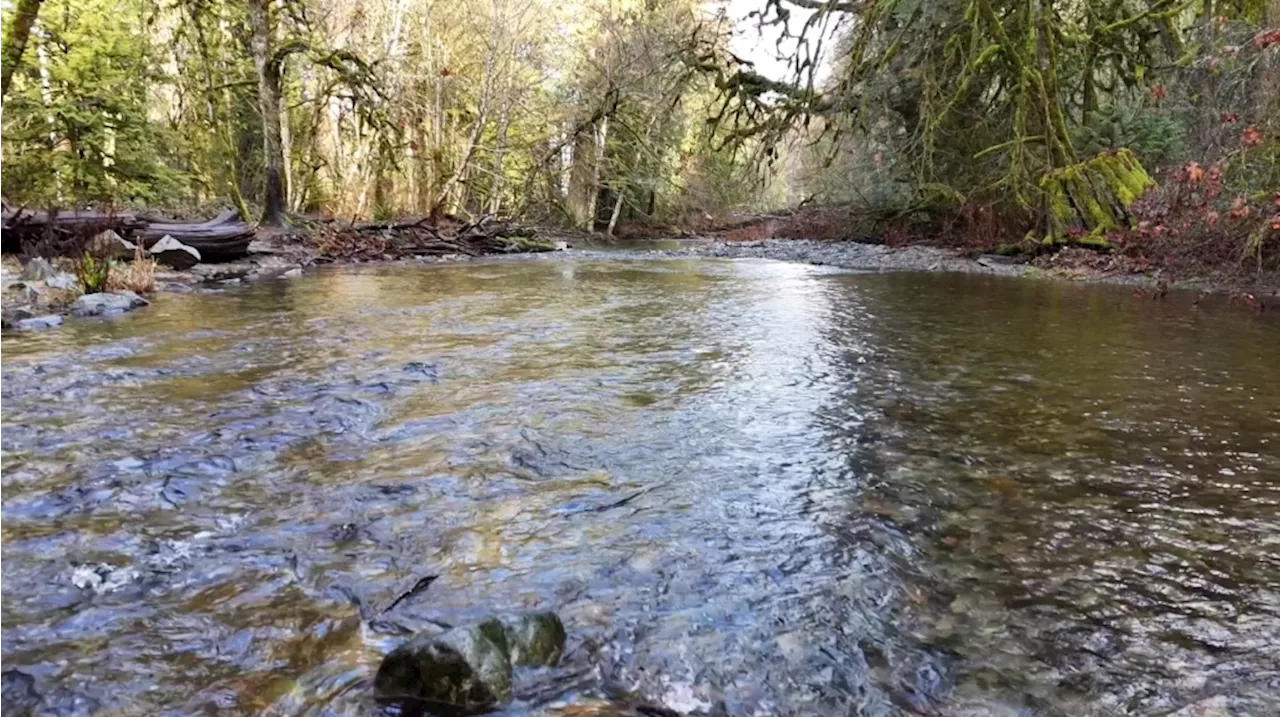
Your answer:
<point x="1092" y="197"/>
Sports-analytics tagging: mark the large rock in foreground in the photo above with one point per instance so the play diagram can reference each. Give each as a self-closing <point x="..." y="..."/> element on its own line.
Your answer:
<point x="469" y="667"/>
<point x="106" y="304"/>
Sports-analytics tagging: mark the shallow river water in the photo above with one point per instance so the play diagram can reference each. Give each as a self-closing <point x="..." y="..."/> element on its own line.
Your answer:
<point x="748" y="487"/>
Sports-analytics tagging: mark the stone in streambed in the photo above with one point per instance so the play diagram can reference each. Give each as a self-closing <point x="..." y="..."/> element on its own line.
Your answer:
<point x="534" y="639"/>
<point x="63" y="282"/>
<point x="18" y="693"/>
<point x="106" y="304"/>
<point x="469" y="666"/>
<point x="39" y="322"/>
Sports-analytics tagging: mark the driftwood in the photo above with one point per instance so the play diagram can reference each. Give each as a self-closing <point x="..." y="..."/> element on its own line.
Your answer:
<point x="425" y="237"/>
<point x="64" y="233"/>
<point x="223" y="238"/>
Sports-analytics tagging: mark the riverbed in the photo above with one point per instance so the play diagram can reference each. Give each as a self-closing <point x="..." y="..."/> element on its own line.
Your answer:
<point x="748" y="487"/>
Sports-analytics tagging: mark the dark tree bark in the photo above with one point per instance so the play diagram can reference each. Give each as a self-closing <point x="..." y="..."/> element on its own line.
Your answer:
<point x="24" y="16"/>
<point x="268" y="67"/>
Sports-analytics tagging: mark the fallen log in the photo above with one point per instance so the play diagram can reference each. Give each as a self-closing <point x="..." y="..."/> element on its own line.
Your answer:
<point x="223" y="238"/>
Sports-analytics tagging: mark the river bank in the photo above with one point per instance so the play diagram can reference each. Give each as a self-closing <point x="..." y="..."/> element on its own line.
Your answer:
<point x="1066" y="265"/>
<point x="28" y="305"/>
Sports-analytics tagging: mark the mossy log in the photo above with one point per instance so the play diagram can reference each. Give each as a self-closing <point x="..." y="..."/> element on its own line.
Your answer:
<point x="1090" y="198"/>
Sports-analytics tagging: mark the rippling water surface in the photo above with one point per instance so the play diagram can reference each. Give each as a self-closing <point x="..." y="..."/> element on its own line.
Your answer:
<point x="748" y="487"/>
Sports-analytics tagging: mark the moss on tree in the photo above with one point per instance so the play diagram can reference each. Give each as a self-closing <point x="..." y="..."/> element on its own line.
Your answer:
<point x="1087" y="199"/>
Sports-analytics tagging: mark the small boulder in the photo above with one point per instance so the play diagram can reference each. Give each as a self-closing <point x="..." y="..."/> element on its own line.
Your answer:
<point x="63" y="281"/>
<point x="39" y="322"/>
<point x="173" y="253"/>
<point x="106" y="304"/>
<point x="470" y="666"/>
<point x="292" y="273"/>
<point x="38" y="269"/>
<point x="110" y="245"/>
<point x="466" y="667"/>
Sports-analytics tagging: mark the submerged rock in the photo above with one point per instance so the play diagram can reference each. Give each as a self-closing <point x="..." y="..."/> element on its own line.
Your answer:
<point x="20" y="699"/>
<point x="534" y="639"/>
<point x="106" y="304"/>
<point x="469" y="666"/>
<point x="39" y="322"/>
<point x="1217" y="706"/>
<point x="171" y="252"/>
<point x="66" y="703"/>
<point x="18" y="693"/>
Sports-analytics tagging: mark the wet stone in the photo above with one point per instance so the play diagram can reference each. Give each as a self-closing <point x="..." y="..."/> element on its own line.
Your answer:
<point x="470" y="666"/>
<point x="106" y="304"/>
<point x="66" y="703"/>
<point x="18" y="693"/>
<point x="39" y="322"/>
<point x="1212" y="707"/>
<point x="467" y="666"/>
<point x="535" y="638"/>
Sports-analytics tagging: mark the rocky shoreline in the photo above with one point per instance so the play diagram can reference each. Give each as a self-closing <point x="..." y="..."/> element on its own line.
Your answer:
<point x="32" y="304"/>
<point x="879" y="257"/>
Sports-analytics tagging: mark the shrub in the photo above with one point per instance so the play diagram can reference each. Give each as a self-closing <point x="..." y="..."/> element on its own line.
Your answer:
<point x="93" y="273"/>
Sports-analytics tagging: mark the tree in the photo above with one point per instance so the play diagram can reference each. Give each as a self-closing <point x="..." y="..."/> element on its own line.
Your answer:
<point x="15" y="42"/>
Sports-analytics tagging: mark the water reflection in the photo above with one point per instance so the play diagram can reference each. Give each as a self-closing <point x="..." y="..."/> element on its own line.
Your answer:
<point x="748" y="487"/>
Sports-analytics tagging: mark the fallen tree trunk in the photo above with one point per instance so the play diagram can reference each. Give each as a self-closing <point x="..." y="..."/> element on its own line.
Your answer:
<point x="38" y="233"/>
<point x="1088" y="199"/>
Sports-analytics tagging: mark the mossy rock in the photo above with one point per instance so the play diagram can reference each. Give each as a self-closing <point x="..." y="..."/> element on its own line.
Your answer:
<point x="466" y="667"/>
<point x="469" y="667"/>
<point x="534" y="639"/>
<point x="1090" y="198"/>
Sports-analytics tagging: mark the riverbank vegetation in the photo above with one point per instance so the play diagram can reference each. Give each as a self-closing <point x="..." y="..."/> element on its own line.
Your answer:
<point x="1145" y="128"/>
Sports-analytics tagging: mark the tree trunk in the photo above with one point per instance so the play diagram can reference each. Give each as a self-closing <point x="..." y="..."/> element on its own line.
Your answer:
<point x="617" y="209"/>
<point x="19" y="31"/>
<point x="269" y="105"/>
<point x="24" y="15"/>
<point x="581" y="185"/>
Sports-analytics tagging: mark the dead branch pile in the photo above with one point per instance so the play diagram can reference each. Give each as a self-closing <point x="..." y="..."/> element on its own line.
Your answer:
<point x="372" y="241"/>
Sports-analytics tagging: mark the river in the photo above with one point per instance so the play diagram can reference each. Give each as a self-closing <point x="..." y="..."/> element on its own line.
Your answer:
<point x="748" y="487"/>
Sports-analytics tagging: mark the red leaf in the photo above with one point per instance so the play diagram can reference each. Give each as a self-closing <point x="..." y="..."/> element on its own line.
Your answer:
<point x="1252" y="136"/>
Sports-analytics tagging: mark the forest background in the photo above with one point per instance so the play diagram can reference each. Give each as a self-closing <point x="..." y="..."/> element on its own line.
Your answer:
<point x="1147" y="128"/>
